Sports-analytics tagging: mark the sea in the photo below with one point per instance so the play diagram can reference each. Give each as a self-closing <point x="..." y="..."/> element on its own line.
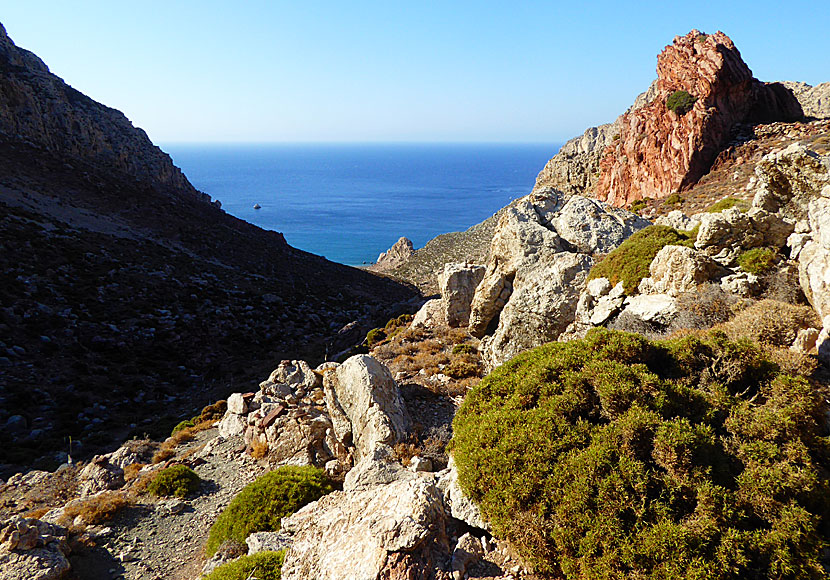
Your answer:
<point x="350" y="202"/>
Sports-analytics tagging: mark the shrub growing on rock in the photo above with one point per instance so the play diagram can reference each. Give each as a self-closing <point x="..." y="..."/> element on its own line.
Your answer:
<point x="261" y="505"/>
<point x="618" y="457"/>
<point x="681" y="102"/>
<point x="262" y="565"/>
<point x="757" y="260"/>
<point x="178" y="480"/>
<point x="630" y="261"/>
<point x="727" y="203"/>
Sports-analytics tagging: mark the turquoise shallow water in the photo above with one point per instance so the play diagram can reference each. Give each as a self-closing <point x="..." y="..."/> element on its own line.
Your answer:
<point x="351" y="202"/>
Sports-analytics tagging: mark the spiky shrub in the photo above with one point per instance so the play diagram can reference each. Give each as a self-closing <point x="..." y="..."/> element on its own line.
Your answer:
<point x="757" y="260"/>
<point x="178" y="480"/>
<point x="262" y="565"/>
<point x="681" y="102"/>
<point x="617" y="457"/>
<point x="630" y="261"/>
<point x="261" y="505"/>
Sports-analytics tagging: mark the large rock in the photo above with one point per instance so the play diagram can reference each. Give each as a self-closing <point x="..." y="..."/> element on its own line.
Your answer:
<point x="678" y="269"/>
<point x="725" y="235"/>
<point x="815" y="101"/>
<point x="539" y="261"/>
<point x="291" y="376"/>
<point x="814" y="258"/>
<point x="660" y="151"/>
<point x="654" y="309"/>
<point x="594" y="227"/>
<point x="431" y="315"/>
<point x="457" y="283"/>
<point x="788" y="179"/>
<point x="395" y="256"/>
<point x="541" y="307"/>
<point x="365" y="405"/>
<point x="391" y="532"/>
<point x="99" y="475"/>
<point x="457" y="504"/>
<point x="33" y="550"/>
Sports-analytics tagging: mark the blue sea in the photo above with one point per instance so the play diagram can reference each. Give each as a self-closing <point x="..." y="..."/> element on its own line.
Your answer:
<point x="351" y="202"/>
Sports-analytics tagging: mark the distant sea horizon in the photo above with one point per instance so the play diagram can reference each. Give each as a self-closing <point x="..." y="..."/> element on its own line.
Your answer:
<point x="351" y="201"/>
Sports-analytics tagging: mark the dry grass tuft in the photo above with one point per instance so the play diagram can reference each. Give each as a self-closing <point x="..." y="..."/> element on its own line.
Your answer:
<point x="99" y="508"/>
<point x="258" y="448"/>
<point x="771" y="322"/>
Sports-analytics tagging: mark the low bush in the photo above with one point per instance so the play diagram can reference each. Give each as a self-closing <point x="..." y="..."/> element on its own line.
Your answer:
<point x="461" y="369"/>
<point x="187" y="423"/>
<point x="178" y="480"/>
<point x="618" y="457"/>
<point x="727" y="203"/>
<point x="630" y="261"/>
<point x="374" y="337"/>
<point x="681" y="102"/>
<point x="637" y="205"/>
<point x="468" y="349"/>
<point x="261" y="505"/>
<point x="757" y="260"/>
<point x="771" y="322"/>
<point x="262" y="565"/>
<point x="673" y="199"/>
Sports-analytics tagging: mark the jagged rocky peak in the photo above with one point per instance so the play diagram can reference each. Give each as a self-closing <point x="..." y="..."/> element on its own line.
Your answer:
<point x="704" y="89"/>
<point x="39" y="108"/>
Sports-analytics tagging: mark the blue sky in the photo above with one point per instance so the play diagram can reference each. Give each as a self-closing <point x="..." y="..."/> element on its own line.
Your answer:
<point x="252" y="71"/>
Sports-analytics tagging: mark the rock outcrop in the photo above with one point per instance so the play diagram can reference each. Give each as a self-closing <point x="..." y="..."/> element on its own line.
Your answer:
<point x="33" y="550"/>
<point x="395" y="256"/>
<point x="539" y="260"/>
<point x="392" y="532"/>
<point x="678" y="269"/>
<point x="458" y="283"/>
<point x="37" y="106"/>
<point x="660" y="151"/>
<point x="365" y="405"/>
<point x="815" y="101"/>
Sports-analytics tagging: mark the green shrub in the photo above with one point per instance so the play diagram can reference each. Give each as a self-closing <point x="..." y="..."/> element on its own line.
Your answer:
<point x="727" y="203"/>
<point x="262" y="565"/>
<point x="673" y="199"/>
<point x="681" y="102"/>
<point x="375" y="336"/>
<point x="637" y="205"/>
<point x="629" y="263"/>
<point x="757" y="260"/>
<point x="178" y="480"/>
<point x="184" y="425"/>
<point x="464" y="349"/>
<point x="261" y="504"/>
<point x="617" y="457"/>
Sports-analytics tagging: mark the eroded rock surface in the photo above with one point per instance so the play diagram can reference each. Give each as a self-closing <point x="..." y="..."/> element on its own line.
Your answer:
<point x="458" y="282"/>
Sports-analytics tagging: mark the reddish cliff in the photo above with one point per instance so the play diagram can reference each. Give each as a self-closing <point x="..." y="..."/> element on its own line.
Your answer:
<point x="660" y="150"/>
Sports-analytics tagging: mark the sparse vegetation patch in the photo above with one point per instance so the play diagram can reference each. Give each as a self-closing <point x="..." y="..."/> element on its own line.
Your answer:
<point x="262" y="565"/>
<point x="681" y="102"/>
<point x="757" y="260"/>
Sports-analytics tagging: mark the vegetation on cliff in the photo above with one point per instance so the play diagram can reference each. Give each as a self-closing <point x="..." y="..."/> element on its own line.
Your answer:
<point x="614" y="456"/>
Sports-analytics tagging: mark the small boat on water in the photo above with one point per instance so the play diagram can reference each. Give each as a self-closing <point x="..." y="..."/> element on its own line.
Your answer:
<point x="257" y="206"/>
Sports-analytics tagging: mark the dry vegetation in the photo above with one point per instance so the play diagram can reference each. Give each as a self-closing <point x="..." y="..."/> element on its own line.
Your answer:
<point x="444" y="360"/>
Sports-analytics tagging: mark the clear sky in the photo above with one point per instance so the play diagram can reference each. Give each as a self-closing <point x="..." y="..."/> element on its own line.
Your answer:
<point x="424" y="70"/>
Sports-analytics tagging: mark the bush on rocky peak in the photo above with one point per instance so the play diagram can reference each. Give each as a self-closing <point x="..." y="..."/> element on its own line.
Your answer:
<point x="618" y="457"/>
<point x="630" y="261"/>
<point x="681" y="102"/>
<point x="262" y="565"/>
<point x="261" y="505"/>
<point x="178" y="480"/>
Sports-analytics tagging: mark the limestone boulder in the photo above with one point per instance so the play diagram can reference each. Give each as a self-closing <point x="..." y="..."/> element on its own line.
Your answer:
<point x="542" y="305"/>
<point x="457" y="503"/>
<point x="725" y="235"/>
<point x="457" y="283"/>
<point x="392" y="532"/>
<point x="814" y="100"/>
<point x="99" y="475"/>
<point x="33" y="549"/>
<point x="378" y="468"/>
<point x="654" y="309"/>
<point x="431" y="315"/>
<point x="591" y="226"/>
<point x="678" y="220"/>
<point x="678" y="269"/>
<point x="365" y="405"/>
<point x="788" y="179"/>
<point x="295" y="375"/>
<point x="814" y="258"/>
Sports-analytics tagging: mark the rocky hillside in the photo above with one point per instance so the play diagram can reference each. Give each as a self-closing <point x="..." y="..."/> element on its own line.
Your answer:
<point x="126" y="299"/>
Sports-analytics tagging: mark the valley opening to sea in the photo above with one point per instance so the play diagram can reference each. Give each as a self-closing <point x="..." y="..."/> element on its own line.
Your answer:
<point x="349" y="202"/>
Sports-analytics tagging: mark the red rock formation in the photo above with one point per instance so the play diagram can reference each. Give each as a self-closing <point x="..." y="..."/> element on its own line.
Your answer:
<point x="659" y="151"/>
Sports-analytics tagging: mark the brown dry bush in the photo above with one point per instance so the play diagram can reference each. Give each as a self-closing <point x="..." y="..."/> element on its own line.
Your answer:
<point x="132" y="471"/>
<point x="99" y="508"/>
<point x="771" y="322"/>
<point x="167" y="449"/>
<point x="258" y="448"/>
<point x="405" y="451"/>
